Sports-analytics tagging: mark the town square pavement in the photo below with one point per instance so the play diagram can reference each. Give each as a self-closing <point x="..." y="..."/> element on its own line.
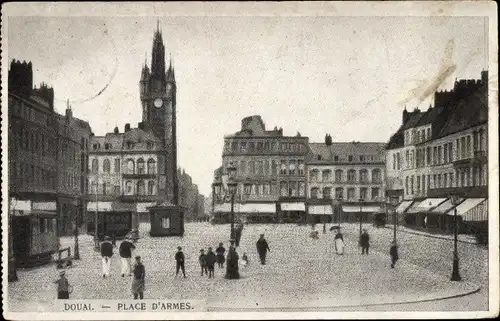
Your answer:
<point x="301" y="273"/>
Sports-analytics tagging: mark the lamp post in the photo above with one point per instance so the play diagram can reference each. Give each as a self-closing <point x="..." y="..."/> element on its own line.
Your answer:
<point x="232" y="185"/>
<point x="12" y="273"/>
<point x="455" y="275"/>
<point x="232" y="264"/>
<point x="77" y="247"/>
<point x="339" y="201"/>
<point x="96" y="218"/>
<point x="360" y="215"/>
<point x="393" y="202"/>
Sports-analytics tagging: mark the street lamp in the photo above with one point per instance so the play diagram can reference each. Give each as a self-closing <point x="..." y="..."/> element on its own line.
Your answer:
<point x="393" y="203"/>
<point x="232" y="185"/>
<point x="360" y="215"/>
<point x="96" y="218"/>
<point x="77" y="247"/>
<point x="455" y="275"/>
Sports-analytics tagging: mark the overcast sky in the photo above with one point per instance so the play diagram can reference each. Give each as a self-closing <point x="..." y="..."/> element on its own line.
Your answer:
<point x="347" y="76"/>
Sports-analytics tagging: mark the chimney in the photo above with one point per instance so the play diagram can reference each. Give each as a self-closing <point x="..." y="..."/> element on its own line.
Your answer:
<point x="116" y="131"/>
<point x="406" y="116"/>
<point x="140" y="125"/>
<point x="127" y="127"/>
<point x="328" y="140"/>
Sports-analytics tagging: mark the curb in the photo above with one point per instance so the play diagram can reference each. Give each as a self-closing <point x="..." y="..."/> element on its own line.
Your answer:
<point x="433" y="236"/>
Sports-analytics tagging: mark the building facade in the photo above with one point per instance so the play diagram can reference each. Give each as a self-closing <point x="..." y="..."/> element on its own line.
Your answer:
<point x="190" y="198"/>
<point x="46" y="153"/>
<point x="270" y="172"/>
<point x="348" y="174"/>
<point x="443" y="151"/>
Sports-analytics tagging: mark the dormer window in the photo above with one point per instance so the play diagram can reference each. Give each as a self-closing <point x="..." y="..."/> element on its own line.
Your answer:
<point x="150" y="145"/>
<point x="336" y="158"/>
<point x="319" y="157"/>
<point x="130" y="145"/>
<point x="107" y="146"/>
<point x="350" y="157"/>
<point x="95" y="146"/>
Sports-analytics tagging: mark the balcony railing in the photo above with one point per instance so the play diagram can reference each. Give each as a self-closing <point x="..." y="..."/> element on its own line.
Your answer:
<point x="138" y="198"/>
<point x="139" y="175"/>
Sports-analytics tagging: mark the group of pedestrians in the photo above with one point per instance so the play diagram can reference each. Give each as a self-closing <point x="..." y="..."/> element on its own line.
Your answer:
<point x="364" y="243"/>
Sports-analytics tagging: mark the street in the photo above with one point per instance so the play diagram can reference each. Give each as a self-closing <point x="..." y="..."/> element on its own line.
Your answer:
<point x="302" y="273"/>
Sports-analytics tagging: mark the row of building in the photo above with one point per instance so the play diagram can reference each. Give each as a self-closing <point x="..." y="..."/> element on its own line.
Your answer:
<point x="433" y="154"/>
<point x="61" y="175"/>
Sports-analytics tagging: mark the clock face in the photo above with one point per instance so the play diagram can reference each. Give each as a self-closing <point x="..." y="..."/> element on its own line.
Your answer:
<point x="158" y="102"/>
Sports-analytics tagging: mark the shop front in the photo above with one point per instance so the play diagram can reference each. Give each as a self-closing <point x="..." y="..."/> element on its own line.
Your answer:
<point x="320" y="213"/>
<point x="365" y="212"/>
<point x="292" y="212"/>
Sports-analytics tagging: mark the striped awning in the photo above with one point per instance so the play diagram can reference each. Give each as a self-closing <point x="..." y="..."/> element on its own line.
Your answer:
<point x="293" y="207"/>
<point x="403" y="206"/>
<point x="425" y="205"/>
<point x="258" y="208"/>
<point x="362" y="208"/>
<point x="444" y="207"/>
<point x="478" y="213"/>
<point x="470" y="209"/>
<point x="320" y="209"/>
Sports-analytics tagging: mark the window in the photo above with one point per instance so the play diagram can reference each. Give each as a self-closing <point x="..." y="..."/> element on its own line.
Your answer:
<point x="428" y="133"/>
<point x="292" y="189"/>
<point x="411" y="185"/>
<point x="266" y="189"/>
<point x="351" y="175"/>
<point x="234" y="146"/>
<point x="95" y="166"/>
<point x="451" y="180"/>
<point x="394" y="161"/>
<point x="319" y="157"/>
<point x="243" y="147"/>
<point x="313" y="175"/>
<point x="130" y="166"/>
<point x="243" y="168"/>
<point x="274" y="167"/>
<point x="327" y="192"/>
<point x="445" y="180"/>
<point x="440" y="159"/>
<point x="117" y="165"/>
<point x="363" y="193"/>
<point x="165" y="222"/>
<point x="116" y="190"/>
<point x="376" y="176"/>
<point x="283" y="170"/>
<point x="260" y="146"/>
<point x="338" y="175"/>
<point x="140" y="166"/>
<point x="339" y="193"/>
<point x="141" y="188"/>
<point x="469" y="147"/>
<point x="350" y="193"/>
<point x="450" y="152"/>
<point x="251" y="146"/>
<point x="314" y="192"/>
<point x="251" y="167"/>
<point x="151" y="166"/>
<point x="150" y="145"/>
<point x="151" y="188"/>
<point x="335" y="158"/>
<point x="349" y="158"/>
<point x="375" y="193"/>
<point x="463" y="148"/>
<point x="407" y="159"/>
<point x="418" y="183"/>
<point x="326" y="175"/>
<point x="129" y="188"/>
<point x="429" y="156"/>
<point x="302" y="189"/>
<point x="266" y="167"/>
<point x="106" y="166"/>
<point x="435" y="155"/>
<point x="247" y="189"/>
<point x="361" y="158"/>
<point x="445" y="153"/>
<point x="291" y="168"/>
<point x="301" y="167"/>
<point x="363" y="176"/>
<point x="283" y="188"/>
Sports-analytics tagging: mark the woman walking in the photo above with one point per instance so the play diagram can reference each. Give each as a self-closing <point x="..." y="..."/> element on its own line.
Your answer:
<point x="220" y="255"/>
<point x="339" y="243"/>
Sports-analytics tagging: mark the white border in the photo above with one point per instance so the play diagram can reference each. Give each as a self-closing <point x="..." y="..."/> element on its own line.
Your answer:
<point x="421" y="8"/>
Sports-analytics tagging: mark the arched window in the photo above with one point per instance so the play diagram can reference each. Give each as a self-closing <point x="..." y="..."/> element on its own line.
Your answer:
<point x="151" y="166"/>
<point x="104" y="187"/>
<point x="338" y="175"/>
<point x="314" y="175"/>
<point x="363" y="176"/>
<point x="351" y="175"/>
<point x="327" y="192"/>
<point x="376" y="177"/>
<point x="106" y="166"/>
<point x="93" y="188"/>
<point x="140" y="166"/>
<point x="95" y="165"/>
<point x="129" y="188"/>
<point x="141" y="188"/>
<point x="151" y="188"/>
<point x="314" y="192"/>
<point x="130" y="166"/>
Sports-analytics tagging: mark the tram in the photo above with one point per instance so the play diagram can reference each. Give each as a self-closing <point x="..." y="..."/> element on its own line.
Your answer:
<point x="117" y="224"/>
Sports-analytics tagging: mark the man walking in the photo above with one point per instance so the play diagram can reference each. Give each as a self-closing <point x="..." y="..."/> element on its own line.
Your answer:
<point x="262" y="248"/>
<point x="138" y="283"/>
<point x="203" y="262"/>
<point x="106" y="253"/>
<point x="364" y="241"/>
<point x="125" y="250"/>
<point x="179" y="259"/>
<point x="62" y="286"/>
<point x="210" y="259"/>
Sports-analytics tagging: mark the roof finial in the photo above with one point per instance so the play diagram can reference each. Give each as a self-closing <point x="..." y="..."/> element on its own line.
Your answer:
<point x="67" y="104"/>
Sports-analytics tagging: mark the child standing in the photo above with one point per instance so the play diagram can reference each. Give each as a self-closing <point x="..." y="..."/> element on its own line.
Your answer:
<point x="63" y="287"/>
<point x="203" y="262"/>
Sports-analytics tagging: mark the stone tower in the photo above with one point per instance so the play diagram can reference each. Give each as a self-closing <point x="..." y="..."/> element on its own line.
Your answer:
<point x="158" y="99"/>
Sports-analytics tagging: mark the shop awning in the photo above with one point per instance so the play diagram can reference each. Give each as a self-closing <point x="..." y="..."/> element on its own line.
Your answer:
<point x="468" y="206"/>
<point x="425" y="205"/>
<point x="403" y="206"/>
<point x="143" y="207"/>
<point x="293" y="207"/>
<point x="44" y="206"/>
<point x="364" y="208"/>
<point x="18" y="205"/>
<point x="477" y="213"/>
<point x="444" y="207"/>
<point x="258" y="208"/>
<point x="101" y="206"/>
<point x="320" y="210"/>
<point x="225" y="207"/>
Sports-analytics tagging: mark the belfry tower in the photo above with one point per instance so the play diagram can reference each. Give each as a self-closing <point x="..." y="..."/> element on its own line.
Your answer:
<point x="158" y="99"/>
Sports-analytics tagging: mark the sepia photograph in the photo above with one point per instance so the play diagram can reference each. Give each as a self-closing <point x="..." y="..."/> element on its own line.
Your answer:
<point x="213" y="160"/>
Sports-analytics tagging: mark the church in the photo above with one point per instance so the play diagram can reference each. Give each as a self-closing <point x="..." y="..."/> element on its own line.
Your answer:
<point x="133" y="174"/>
